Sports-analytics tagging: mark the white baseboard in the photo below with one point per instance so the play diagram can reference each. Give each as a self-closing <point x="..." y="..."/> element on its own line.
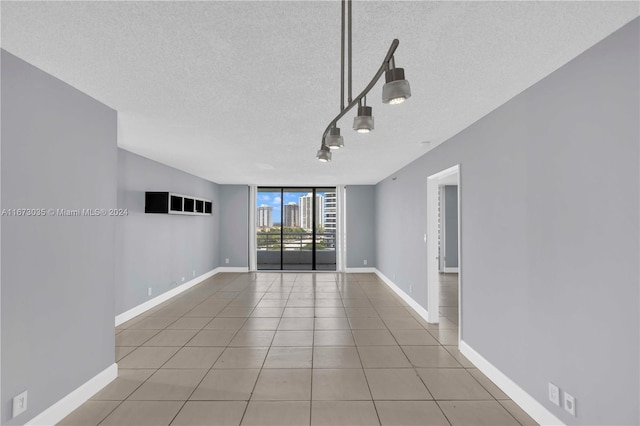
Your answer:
<point x="404" y="296"/>
<point x="231" y="269"/>
<point x="450" y="270"/>
<point x="151" y="303"/>
<point x="529" y="404"/>
<point x="360" y="270"/>
<point x="76" y="398"/>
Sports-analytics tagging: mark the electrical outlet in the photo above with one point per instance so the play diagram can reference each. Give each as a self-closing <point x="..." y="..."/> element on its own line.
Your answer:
<point x="19" y="404"/>
<point x="182" y="279"/>
<point x="226" y="260"/>
<point x="365" y="261"/>
<point x="554" y="394"/>
<point x="149" y="291"/>
<point x="569" y="404"/>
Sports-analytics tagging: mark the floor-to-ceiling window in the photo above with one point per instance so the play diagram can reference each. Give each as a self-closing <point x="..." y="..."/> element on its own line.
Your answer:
<point x="296" y="228"/>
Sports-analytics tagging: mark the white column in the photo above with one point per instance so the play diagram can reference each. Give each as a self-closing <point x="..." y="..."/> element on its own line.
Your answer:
<point x="341" y="228"/>
<point x="253" y="256"/>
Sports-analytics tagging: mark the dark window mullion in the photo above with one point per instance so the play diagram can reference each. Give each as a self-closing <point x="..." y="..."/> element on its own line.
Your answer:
<point x="313" y="230"/>
<point x="281" y="229"/>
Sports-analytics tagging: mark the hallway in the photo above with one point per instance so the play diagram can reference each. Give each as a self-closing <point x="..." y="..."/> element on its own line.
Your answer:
<point x="449" y="299"/>
<point x="294" y="349"/>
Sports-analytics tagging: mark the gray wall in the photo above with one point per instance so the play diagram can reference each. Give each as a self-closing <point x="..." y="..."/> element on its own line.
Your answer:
<point x="451" y="226"/>
<point x="360" y="226"/>
<point x="549" y="265"/>
<point x="58" y="151"/>
<point x="160" y="250"/>
<point x="234" y="232"/>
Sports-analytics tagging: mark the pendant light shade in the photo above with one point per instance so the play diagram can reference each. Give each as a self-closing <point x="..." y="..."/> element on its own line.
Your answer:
<point x="396" y="89"/>
<point x="363" y="122"/>
<point x="333" y="139"/>
<point x="324" y="154"/>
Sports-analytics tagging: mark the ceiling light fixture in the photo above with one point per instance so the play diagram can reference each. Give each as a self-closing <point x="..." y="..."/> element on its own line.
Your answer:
<point x="396" y="90"/>
<point x="333" y="140"/>
<point x="324" y="154"/>
<point x="363" y="123"/>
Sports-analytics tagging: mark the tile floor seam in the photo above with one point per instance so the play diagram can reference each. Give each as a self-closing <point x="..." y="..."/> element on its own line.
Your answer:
<point x="194" y="389"/>
<point x="512" y="415"/>
<point x="480" y="383"/>
<point x="110" y="412"/>
<point x="443" y="413"/>
<point x="178" y="412"/>
<point x="151" y="337"/>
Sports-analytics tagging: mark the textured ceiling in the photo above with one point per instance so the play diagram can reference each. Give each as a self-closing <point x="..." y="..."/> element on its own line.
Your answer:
<point x="240" y="92"/>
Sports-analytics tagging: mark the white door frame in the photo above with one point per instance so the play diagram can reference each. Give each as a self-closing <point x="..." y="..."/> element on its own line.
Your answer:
<point x="433" y="284"/>
<point x="442" y="238"/>
<point x="443" y="229"/>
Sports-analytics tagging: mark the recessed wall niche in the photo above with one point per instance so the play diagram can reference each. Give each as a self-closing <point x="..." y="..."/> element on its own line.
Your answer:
<point x="172" y="203"/>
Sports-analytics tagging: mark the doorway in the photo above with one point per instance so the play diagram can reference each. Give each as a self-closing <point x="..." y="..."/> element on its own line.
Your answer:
<point x="296" y="228"/>
<point x="444" y="279"/>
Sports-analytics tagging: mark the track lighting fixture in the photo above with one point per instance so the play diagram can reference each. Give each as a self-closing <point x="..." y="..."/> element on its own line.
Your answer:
<point x="333" y="140"/>
<point x="324" y="154"/>
<point x="396" y="90"/>
<point x="363" y="123"/>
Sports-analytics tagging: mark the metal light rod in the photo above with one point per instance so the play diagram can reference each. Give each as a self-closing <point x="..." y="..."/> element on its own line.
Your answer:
<point x="349" y="32"/>
<point x="372" y="83"/>
<point x="342" y="59"/>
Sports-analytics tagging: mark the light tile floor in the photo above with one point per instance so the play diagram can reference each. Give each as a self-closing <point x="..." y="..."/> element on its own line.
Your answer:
<point x="294" y="349"/>
<point x="449" y="297"/>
